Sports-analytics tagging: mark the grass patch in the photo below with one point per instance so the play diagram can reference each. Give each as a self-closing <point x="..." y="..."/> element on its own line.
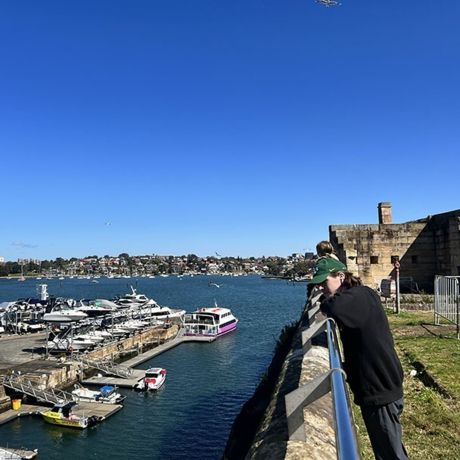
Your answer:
<point x="440" y="357"/>
<point x="406" y="318"/>
<point x="431" y="421"/>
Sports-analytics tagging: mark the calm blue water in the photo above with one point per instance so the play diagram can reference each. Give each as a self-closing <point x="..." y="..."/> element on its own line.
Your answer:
<point x="191" y="417"/>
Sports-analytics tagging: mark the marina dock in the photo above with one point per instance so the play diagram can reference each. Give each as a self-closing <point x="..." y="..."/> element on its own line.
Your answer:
<point x="6" y="452"/>
<point x="26" y="409"/>
<point x="142" y="357"/>
<point x="138" y="374"/>
<point x="83" y="408"/>
<point x="121" y="382"/>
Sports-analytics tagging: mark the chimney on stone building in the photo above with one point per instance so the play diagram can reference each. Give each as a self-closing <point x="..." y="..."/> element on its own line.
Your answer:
<point x="385" y="213"/>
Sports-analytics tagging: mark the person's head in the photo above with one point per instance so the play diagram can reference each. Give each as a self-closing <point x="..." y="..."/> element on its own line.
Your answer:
<point x="324" y="248"/>
<point x="331" y="276"/>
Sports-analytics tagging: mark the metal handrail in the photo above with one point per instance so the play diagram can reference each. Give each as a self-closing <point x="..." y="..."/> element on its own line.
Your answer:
<point x="332" y="381"/>
<point x="107" y="366"/>
<point x="28" y="388"/>
<point x="345" y="434"/>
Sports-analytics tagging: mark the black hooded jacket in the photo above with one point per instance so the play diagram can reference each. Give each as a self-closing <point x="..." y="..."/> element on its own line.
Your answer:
<point x="373" y="370"/>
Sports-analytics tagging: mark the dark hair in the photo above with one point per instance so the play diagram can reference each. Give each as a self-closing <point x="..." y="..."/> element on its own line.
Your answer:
<point x="349" y="281"/>
<point x="324" y="248"/>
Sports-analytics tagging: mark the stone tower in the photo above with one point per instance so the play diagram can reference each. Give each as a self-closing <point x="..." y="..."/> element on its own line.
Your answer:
<point x="385" y="213"/>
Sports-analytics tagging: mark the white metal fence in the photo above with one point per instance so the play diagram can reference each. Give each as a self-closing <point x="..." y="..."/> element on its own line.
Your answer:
<point x="447" y="300"/>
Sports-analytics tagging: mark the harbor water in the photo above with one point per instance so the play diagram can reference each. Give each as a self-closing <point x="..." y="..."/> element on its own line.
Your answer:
<point x="206" y="385"/>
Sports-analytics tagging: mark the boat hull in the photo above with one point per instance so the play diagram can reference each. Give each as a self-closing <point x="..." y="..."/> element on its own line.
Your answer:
<point x="79" y="423"/>
<point x="86" y="395"/>
<point x="226" y="329"/>
<point x="57" y="318"/>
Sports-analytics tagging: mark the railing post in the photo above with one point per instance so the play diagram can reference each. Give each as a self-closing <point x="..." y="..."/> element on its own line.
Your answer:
<point x="301" y="397"/>
<point x="310" y="333"/>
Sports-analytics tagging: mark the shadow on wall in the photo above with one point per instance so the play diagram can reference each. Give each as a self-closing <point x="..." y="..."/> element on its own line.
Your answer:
<point x="247" y="423"/>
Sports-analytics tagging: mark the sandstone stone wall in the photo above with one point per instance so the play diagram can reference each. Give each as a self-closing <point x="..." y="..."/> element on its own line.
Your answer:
<point x="271" y="440"/>
<point x="425" y="248"/>
<point x="446" y="234"/>
<point x="138" y="341"/>
<point x="4" y="400"/>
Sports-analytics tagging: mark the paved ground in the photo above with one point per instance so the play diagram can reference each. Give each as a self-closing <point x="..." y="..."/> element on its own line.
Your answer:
<point x="19" y="349"/>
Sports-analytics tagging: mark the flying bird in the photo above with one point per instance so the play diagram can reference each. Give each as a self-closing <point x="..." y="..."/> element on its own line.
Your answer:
<point x="328" y="3"/>
<point x="214" y="284"/>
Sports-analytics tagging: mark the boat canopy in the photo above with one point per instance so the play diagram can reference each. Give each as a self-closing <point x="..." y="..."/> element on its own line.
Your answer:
<point x="106" y="390"/>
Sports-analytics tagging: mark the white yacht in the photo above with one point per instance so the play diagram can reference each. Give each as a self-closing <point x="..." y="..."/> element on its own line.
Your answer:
<point x="132" y="300"/>
<point x="158" y="312"/>
<point x="97" y="307"/>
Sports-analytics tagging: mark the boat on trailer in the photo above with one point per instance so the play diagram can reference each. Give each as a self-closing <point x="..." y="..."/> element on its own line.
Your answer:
<point x="212" y="321"/>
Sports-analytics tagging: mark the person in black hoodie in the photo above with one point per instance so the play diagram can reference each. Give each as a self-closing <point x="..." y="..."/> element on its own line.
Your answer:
<point x="373" y="370"/>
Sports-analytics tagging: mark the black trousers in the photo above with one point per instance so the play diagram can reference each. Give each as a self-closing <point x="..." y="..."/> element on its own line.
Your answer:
<point x="384" y="429"/>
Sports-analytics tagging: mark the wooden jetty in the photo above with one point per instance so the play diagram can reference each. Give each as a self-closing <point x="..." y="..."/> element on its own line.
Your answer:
<point x="121" y="382"/>
<point x="142" y="357"/>
<point x="26" y="409"/>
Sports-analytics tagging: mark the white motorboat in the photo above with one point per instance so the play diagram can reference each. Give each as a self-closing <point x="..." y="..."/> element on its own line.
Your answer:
<point x="132" y="300"/>
<point x="105" y="334"/>
<point x="161" y="313"/>
<point x="107" y="394"/>
<point x="97" y="307"/>
<point x="69" y="345"/>
<point x="154" y="379"/>
<point x="120" y="332"/>
<point x="64" y="315"/>
<point x="134" y="325"/>
<point x="96" y="339"/>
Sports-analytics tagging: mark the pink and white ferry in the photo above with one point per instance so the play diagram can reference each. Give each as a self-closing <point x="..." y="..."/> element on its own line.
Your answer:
<point x="212" y="321"/>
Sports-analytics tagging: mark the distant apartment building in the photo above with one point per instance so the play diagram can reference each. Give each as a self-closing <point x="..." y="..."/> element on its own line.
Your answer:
<point x="29" y="261"/>
<point x="424" y="248"/>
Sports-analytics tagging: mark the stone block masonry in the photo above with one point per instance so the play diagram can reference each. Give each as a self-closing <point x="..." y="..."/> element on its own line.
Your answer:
<point x="425" y="248"/>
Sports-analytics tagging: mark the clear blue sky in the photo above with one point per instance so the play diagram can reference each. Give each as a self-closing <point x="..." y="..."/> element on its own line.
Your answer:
<point x="244" y="127"/>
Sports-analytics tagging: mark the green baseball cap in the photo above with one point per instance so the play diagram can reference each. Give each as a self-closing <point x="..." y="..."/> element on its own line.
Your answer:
<point x="324" y="267"/>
